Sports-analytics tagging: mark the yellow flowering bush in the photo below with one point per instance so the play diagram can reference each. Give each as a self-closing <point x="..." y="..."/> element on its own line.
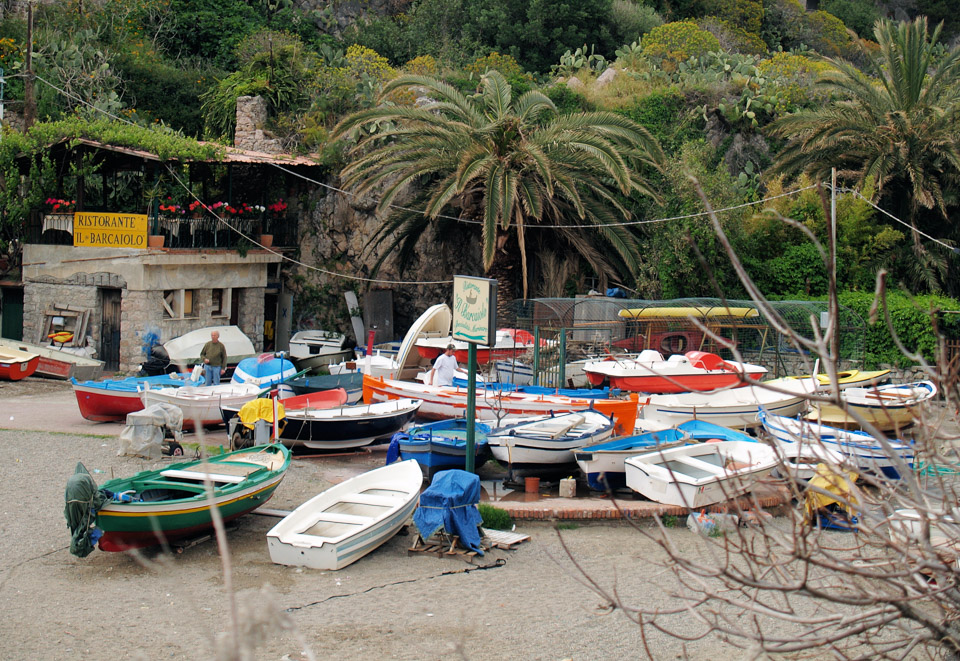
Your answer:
<point x="362" y="60"/>
<point x="424" y="65"/>
<point x="793" y="77"/>
<point x="677" y="42"/>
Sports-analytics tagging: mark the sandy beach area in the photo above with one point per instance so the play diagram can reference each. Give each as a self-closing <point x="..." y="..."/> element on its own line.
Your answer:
<point x="524" y="603"/>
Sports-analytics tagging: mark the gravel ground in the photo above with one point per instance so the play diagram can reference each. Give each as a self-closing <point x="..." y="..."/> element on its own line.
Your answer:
<point x="387" y="605"/>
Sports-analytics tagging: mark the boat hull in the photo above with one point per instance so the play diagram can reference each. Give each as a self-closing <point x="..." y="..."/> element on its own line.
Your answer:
<point x="130" y="525"/>
<point x="367" y="511"/>
<point x="198" y="407"/>
<point x="15" y="370"/>
<point x="736" y="408"/>
<point x="549" y="441"/>
<point x="440" y="445"/>
<point x="446" y="402"/>
<point x="57" y="364"/>
<point x="698" y="476"/>
<point x="106" y="406"/>
<point x="344" y="427"/>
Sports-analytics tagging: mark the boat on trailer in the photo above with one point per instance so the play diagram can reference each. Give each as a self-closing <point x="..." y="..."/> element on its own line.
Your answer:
<point x="349" y="520"/>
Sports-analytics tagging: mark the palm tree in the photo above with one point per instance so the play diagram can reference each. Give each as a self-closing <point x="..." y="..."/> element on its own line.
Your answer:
<point x="506" y="164"/>
<point x="895" y="122"/>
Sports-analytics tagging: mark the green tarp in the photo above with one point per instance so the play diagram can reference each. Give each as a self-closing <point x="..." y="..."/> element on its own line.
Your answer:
<point x="83" y="501"/>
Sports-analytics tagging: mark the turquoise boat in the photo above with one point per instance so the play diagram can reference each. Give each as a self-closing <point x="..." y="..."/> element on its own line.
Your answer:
<point x="159" y="506"/>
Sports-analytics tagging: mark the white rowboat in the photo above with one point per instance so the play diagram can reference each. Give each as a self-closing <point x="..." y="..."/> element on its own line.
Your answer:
<point x="349" y="520"/>
<point x="694" y="476"/>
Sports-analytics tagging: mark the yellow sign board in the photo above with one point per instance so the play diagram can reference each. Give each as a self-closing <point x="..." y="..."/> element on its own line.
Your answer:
<point x="92" y="229"/>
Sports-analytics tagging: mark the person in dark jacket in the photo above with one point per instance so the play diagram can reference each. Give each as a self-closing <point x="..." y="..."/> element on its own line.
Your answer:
<point x="214" y="357"/>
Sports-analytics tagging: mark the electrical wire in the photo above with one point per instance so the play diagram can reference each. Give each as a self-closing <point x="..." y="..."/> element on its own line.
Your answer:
<point x="902" y="222"/>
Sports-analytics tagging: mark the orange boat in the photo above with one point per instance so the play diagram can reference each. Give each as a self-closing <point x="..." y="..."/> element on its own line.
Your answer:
<point x="445" y="402"/>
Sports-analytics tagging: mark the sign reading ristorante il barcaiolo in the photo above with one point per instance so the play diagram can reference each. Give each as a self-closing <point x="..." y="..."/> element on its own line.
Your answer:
<point x="92" y="229"/>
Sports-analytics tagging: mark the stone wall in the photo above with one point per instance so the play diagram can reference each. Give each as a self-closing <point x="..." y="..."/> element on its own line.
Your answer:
<point x="251" y="119"/>
<point x="39" y="298"/>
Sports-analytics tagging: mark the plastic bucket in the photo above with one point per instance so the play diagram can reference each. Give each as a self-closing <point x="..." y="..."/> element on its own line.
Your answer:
<point x="531" y="484"/>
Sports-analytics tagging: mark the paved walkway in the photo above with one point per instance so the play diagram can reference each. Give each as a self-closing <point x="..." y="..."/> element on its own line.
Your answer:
<point x="51" y="406"/>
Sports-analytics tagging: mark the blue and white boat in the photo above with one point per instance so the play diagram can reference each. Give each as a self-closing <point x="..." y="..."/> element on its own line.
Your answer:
<point x="603" y="463"/>
<point x="438" y="445"/>
<point x="548" y="439"/>
<point x="264" y="370"/>
<point x="859" y="448"/>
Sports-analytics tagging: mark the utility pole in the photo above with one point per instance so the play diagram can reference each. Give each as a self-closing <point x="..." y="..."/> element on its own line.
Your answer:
<point x="834" y="306"/>
<point x="29" y="98"/>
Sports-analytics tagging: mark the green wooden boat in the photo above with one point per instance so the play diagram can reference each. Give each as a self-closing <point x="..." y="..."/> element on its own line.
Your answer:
<point x="159" y="506"/>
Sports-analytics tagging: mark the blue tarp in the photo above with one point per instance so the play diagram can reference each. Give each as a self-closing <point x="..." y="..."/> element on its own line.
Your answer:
<point x="450" y="502"/>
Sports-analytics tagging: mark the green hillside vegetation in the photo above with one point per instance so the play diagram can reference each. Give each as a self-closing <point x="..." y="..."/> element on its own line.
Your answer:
<point x="748" y="100"/>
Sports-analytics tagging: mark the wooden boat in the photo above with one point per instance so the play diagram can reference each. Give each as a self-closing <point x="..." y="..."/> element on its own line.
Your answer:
<point x="311" y="349"/>
<point x="736" y="408"/>
<point x="438" y="445"/>
<point x="444" y="402"/>
<point x="201" y="405"/>
<point x="650" y="373"/>
<point x="16" y="364"/>
<point x="351" y="383"/>
<point x="158" y="506"/>
<point x="888" y="407"/>
<point x="695" y="476"/>
<point x="349" y="520"/>
<point x="346" y="426"/>
<point x="185" y="350"/>
<point x="859" y="448"/>
<point x="112" y="399"/>
<point x="56" y="363"/>
<point x="548" y="440"/>
<point x="508" y="343"/>
<point x="603" y="463"/>
<point x="848" y="378"/>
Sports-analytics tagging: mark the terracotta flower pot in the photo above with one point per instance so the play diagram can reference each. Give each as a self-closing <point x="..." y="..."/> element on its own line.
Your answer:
<point x="531" y="484"/>
<point x="155" y="240"/>
<point x="266" y="240"/>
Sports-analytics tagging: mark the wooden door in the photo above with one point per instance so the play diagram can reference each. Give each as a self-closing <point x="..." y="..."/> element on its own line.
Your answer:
<point x="109" y="351"/>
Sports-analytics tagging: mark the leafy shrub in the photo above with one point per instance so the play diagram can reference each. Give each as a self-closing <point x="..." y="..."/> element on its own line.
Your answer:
<point x="424" y="65"/>
<point x="211" y="29"/>
<point x="793" y="76"/>
<point x="663" y="113"/>
<point x="566" y="100"/>
<point x="910" y="318"/>
<point x="160" y="91"/>
<point x="629" y="21"/>
<point x="731" y="37"/>
<point x="858" y="15"/>
<point x="505" y="64"/>
<point x="745" y="14"/>
<point x="495" y="518"/>
<point x="676" y="42"/>
<point x="826" y="34"/>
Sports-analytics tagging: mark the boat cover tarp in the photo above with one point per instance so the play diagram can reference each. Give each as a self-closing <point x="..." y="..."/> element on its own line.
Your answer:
<point x="145" y="430"/>
<point x="450" y="502"/>
<point x="83" y="501"/>
<point x="259" y="409"/>
<point x="830" y="491"/>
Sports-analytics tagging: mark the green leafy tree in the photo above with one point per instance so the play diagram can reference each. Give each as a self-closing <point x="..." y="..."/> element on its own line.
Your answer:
<point x="896" y="125"/>
<point x="509" y="163"/>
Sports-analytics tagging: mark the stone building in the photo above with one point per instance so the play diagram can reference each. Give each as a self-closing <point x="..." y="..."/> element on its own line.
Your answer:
<point x="211" y="270"/>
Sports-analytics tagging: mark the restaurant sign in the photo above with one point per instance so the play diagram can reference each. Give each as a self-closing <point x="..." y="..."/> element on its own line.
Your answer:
<point x="92" y="229"/>
<point x="474" y="309"/>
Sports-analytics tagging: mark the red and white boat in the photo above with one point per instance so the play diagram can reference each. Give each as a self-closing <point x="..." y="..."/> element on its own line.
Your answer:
<point x="111" y="400"/>
<point x="445" y="402"/>
<point x="651" y="373"/>
<point x="58" y="363"/>
<point x="509" y="342"/>
<point x="16" y="364"/>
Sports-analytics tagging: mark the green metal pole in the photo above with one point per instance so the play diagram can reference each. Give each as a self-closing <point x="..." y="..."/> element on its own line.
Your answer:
<point x="471" y="406"/>
<point x="562" y="369"/>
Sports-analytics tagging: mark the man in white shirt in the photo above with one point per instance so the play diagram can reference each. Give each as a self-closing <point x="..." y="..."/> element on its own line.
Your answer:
<point x="443" y="368"/>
